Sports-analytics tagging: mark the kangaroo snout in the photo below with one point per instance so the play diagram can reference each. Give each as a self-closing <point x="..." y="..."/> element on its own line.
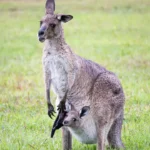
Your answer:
<point x="41" y="34"/>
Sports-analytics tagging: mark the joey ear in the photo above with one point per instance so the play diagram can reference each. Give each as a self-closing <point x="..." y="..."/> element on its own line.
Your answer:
<point x="69" y="107"/>
<point x="64" y="18"/>
<point x="84" y="111"/>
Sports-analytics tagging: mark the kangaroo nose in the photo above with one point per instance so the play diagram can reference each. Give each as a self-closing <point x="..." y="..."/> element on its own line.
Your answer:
<point x="66" y="122"/>
<point x="41" y="33"/>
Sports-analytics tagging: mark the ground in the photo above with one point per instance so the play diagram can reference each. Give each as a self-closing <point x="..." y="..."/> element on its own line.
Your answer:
<point x="113" y="33"/>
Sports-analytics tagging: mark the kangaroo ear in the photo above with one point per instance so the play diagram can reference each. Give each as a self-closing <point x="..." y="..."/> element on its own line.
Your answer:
<point x="50" y="6"/>
<point x="84" y="111"/>
<point x="64" y="18"/>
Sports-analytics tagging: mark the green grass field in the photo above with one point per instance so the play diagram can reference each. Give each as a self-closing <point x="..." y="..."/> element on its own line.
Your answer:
<point x="113" y="33"/>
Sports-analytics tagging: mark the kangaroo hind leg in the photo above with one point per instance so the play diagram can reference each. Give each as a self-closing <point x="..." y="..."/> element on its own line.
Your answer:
<point x="114" y="135"/>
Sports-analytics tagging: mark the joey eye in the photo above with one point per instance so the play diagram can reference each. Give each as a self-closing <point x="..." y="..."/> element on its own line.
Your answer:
<point x="74" y="119"/>
<point x="52" y="25"/>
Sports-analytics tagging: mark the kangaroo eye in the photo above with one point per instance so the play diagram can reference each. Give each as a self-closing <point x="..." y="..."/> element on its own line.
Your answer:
<point x="74" y="119"/>
<point x="52" y="25"/>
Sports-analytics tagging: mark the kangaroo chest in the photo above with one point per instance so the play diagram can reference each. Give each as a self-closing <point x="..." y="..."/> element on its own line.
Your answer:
<point x="57" y="67"/>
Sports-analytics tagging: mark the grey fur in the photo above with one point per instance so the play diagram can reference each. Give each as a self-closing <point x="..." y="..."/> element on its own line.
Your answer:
<point x="86" y="82"/>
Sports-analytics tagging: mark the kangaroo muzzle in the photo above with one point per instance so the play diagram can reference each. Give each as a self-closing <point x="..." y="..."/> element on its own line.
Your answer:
<point x="41" y="34"/>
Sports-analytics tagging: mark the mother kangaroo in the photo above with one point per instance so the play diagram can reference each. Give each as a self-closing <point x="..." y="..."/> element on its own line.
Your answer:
<point x="82" y="81"/>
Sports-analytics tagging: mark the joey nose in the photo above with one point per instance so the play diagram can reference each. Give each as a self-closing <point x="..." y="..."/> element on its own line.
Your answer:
<point x="65" y="122"/>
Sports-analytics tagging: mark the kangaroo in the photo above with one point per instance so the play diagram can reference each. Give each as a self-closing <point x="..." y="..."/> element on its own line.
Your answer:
<point x="83" y="128"/>
<point x="85" y="83"/>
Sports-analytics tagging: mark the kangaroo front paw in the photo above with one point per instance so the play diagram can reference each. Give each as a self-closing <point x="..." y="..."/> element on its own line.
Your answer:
<point x="51" y="111"/>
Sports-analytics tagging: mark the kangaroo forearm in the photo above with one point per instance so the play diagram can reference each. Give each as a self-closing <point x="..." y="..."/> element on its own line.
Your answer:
<point x="47" y="87"/>
<point x="47" y="93"/>
<point x="48" y="96"/>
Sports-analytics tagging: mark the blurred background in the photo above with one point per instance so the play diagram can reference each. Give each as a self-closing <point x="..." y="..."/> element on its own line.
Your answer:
<point x="113" y="33"/>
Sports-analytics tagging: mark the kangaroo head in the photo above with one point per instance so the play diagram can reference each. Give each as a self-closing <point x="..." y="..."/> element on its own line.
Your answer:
<point x="73" y="117"/>
<point x="50" y="24"/>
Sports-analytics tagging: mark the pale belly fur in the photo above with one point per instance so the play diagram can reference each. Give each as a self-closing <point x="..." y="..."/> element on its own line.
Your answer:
<point x="87" y="132"/>
<point x="57" y="68"/>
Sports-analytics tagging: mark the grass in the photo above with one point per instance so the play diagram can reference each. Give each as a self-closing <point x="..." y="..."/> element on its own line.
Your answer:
<point x="113" y="33"/>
